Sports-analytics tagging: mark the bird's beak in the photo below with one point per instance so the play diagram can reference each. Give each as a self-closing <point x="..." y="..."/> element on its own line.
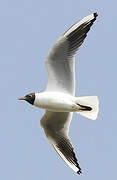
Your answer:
<point x="22" y="98"/>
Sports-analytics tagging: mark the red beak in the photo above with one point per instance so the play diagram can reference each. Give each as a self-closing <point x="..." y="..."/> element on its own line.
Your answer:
<point x="21" y="98"/>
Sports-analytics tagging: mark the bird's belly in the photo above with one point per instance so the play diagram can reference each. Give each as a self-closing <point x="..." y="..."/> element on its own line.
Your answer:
<point x="57" y="102"/>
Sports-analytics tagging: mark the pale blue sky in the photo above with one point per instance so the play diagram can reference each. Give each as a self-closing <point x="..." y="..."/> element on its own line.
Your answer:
<point x="28" y="28"/>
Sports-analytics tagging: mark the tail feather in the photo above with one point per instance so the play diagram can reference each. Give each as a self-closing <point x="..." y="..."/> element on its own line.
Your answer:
<point x="89" y="101"/>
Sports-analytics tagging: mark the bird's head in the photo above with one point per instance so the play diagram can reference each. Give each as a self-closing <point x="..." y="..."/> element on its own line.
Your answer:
<point x="30" y="98"/>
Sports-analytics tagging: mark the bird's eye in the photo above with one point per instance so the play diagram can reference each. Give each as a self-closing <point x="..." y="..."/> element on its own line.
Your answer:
<point x="29" y="96"/>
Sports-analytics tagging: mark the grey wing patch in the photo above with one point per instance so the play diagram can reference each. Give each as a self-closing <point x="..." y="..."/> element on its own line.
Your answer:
<point x="53" y="122"/>
<point x="65" y="149"/>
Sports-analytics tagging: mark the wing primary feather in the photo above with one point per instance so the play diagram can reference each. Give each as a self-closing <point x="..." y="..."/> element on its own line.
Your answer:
<point x="76" y="36"/>
<point x="64" y="148"/>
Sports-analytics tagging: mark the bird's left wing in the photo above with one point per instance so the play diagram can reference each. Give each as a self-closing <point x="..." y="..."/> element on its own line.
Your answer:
<point x="60" y="59"/>
<point x="56" y="127"/>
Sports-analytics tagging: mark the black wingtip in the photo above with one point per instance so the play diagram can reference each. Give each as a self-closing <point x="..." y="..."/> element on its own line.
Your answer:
<point x="79" y="172"/>
<point x="95" y="14"/>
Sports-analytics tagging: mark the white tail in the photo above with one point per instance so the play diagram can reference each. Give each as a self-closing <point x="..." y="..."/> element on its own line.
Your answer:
<point x="90" y="101"/>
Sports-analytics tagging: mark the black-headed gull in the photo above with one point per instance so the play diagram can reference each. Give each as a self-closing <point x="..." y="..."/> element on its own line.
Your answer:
<point x="59" y="97"/>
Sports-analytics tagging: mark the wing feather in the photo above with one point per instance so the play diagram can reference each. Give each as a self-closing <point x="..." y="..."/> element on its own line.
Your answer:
<point x="65" y="149"/>
<point x="56" y="127"/>
<point x="60" y="59"/>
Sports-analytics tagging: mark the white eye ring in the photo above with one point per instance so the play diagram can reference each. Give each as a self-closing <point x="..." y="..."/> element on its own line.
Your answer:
<point x="29" y="96"/>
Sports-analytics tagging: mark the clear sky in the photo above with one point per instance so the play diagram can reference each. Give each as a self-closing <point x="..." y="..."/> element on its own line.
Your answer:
<point x="28" y="29"/>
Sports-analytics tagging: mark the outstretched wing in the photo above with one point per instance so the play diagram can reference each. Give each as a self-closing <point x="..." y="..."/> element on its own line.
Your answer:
<point x="60" y="60"/>
<point x="56" y="127"/>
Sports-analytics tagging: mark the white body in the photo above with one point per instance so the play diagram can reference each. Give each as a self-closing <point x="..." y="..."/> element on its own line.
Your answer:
<point x="56" y="101"/>
<point x="62" y="102"/>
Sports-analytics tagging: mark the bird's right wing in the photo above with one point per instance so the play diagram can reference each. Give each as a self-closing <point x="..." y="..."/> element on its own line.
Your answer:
<point x="65" y="149"/>
<point x="60" y="59"/>
<point x="56" y="127"/>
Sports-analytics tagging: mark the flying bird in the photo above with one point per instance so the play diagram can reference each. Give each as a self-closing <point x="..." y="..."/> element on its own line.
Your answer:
<point x="59" y="99"/>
